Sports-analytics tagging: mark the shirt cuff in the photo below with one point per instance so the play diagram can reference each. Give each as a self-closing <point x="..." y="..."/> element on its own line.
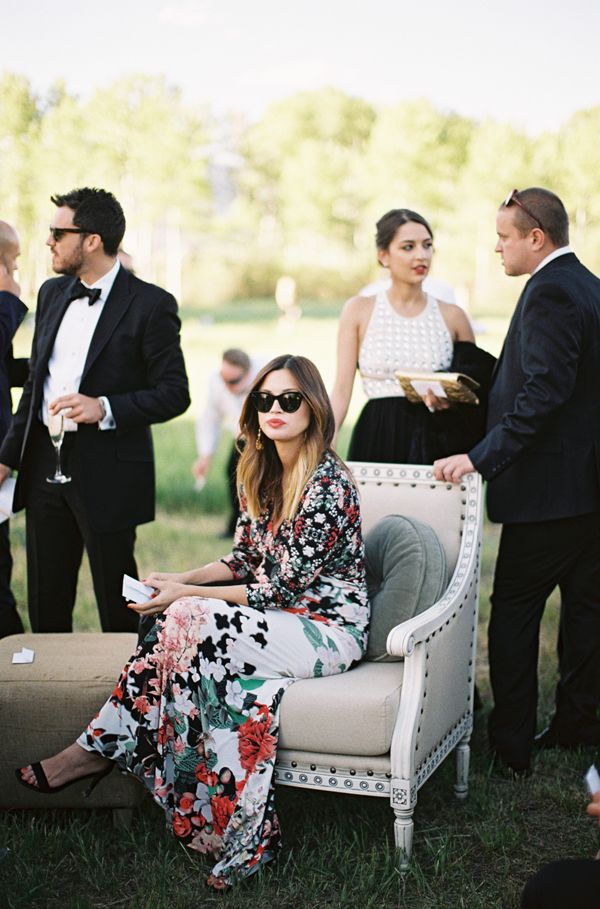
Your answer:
<point x="108" y="421"/>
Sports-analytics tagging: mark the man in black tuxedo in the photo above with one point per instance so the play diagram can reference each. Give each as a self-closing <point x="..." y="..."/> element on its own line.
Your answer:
<point x="106" y="354"/>
<point x="541" y="457"/>
<point x="12" y="372"/>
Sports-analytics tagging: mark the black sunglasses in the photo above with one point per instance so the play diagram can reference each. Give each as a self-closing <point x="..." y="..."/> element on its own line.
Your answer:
<point x="234" y="381"/>
<point x="289" y="401"/>
<point x="512" y="197"/>
<point x="59" y="232"/>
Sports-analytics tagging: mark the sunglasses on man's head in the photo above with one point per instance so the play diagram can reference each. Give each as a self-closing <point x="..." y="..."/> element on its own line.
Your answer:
<point x="59" y="232"/>
<point x="289" y="401"/>
<point x="513" y="197"/>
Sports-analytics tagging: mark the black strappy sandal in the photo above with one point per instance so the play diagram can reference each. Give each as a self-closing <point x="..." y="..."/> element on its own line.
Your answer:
<point x="41" y="783"/>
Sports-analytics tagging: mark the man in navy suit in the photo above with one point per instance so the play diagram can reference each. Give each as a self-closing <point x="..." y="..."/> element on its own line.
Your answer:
<point x="106" y="354"/>
<point x="12" y="372"/>
<point x="541" y="457"/>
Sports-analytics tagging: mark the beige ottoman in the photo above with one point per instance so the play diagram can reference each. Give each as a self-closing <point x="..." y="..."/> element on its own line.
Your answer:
<point x="44" y="706"/>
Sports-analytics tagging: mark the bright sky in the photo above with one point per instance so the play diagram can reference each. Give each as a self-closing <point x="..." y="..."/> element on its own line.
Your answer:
<point x="530" y="63"/>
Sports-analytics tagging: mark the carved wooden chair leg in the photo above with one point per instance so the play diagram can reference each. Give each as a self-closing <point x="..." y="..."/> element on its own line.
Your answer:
<point x="403" y="835"/>
<point x="463" y="754"/>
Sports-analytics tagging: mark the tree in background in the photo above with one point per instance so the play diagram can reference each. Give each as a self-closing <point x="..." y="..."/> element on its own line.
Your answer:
<point x="219" y="210"/>
<point x="135" y="137"/>
<point x="577" y="167"/>
<point x="498" y="159"/>
<point x="19" y="138"/>
<point x="299" y="188"/>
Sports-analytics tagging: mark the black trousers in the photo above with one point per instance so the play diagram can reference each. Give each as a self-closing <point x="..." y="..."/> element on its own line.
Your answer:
<point x="533" y="559"/>
<point x="57" y="529"/>
<point x="10" y="621"/>
<point x="566" y="884"/>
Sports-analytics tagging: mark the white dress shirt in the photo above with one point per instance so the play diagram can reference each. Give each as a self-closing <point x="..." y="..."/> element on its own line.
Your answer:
<point x="71" y="346"/>
<point x="222" y="408"/>
<point x="561" y="251"/>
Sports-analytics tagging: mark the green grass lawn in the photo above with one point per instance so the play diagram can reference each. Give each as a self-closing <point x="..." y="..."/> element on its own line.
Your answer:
<point x="338" y="850"/>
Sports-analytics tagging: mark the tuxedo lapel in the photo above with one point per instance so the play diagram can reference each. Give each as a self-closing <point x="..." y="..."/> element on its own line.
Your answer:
<point x="515" y="318"/>
<point x="117" y="304"/>
<point x="565" y="259"/>
<point x="48" y="328"/>
<point x="498" y="362"/>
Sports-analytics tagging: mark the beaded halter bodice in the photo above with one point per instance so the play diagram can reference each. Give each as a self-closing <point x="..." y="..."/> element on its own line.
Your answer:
<point x="394" y="342"/>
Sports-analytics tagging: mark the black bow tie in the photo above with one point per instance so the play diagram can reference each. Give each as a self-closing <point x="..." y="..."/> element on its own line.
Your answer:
<point x="80" y="290"/>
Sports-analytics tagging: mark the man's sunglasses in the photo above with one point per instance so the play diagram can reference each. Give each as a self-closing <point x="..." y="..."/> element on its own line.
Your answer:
<point x="59" y="232"/>
<point x="289" y="401"/>
<point x="234" y="381"/>
<point x="512" y="197"/>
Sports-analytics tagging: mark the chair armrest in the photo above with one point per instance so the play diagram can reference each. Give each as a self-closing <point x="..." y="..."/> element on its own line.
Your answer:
<point x="403" y="638"/>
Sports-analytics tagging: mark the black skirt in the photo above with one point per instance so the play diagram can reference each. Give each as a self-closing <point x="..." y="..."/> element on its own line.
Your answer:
<point x="392" y="430"/>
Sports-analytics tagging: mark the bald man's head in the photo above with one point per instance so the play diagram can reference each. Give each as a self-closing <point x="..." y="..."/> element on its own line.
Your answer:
<point x="10" y="248"/>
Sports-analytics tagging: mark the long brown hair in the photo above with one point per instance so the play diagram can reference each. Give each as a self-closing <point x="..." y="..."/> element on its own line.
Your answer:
<point x="260" y="472"/>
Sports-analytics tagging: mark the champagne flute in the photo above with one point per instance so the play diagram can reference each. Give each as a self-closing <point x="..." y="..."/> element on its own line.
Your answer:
<point x="56" y="428"/>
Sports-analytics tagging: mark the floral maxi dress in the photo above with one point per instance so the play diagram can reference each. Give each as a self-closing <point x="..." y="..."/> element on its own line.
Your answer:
<point x="195" y="712"/>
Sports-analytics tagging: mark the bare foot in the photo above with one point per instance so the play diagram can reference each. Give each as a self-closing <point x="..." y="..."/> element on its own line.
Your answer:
<point x="67" y="765"/>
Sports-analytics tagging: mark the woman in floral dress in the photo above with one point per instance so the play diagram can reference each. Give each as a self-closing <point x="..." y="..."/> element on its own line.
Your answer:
<point x="195" y="712"/>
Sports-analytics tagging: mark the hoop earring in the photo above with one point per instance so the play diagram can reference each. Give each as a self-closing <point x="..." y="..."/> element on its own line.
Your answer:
<point x="258" y="444"/>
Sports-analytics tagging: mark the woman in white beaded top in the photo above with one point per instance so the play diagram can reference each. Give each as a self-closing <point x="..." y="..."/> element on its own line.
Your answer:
<point x="402" y="327"/>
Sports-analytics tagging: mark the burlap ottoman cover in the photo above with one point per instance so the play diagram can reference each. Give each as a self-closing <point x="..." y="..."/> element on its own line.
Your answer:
<point x="44" y="706"/>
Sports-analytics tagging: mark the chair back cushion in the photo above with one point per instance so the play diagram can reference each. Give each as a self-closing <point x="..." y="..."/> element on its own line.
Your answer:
<point x="406" y="573"/>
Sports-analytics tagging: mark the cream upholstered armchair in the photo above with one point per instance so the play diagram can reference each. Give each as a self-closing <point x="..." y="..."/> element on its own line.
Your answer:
<point x="382" y="728"/>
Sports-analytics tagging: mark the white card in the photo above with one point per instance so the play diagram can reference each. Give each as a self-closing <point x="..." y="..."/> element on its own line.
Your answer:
<point x="136" y="592"/>
<point x="422" y="387"/>
<point x="592" y="779"/>
<point x="7" y="491"/>
<point x="25" y="655"/>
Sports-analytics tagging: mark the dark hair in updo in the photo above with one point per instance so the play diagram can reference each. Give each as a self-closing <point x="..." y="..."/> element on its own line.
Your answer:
<point x="389" y="224"/>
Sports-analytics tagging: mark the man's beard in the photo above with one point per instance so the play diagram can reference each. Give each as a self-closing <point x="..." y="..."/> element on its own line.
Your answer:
<point x="72" y="265"/>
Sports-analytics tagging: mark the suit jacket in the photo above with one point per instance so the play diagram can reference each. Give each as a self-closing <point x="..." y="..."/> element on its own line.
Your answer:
<point x="541" y="453"/>
<point x="12" y="371"/>
<point x="135" y="359"/>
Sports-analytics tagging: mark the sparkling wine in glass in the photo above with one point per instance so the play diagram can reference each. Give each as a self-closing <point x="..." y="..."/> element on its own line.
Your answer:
<point x="56" y="428"/>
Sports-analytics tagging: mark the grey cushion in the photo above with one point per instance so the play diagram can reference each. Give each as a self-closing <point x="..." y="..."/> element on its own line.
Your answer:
<point x="406" y="573"/>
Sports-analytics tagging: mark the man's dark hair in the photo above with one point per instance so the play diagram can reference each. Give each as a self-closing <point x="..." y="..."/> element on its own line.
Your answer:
<point x="236" y="357"/>
<point x="548" y="209"/>
<point x="97" y="212"/>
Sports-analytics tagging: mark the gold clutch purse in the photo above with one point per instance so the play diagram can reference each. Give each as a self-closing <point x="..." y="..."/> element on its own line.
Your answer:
<point x="457" y="387"/>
